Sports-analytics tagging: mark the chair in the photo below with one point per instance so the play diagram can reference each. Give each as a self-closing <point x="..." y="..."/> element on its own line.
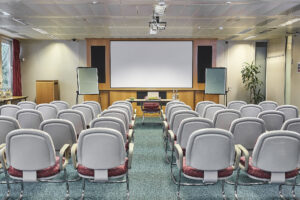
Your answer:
<point x="210" y="110"/>
<point x="31" y="157"/>
<point x="7" y="124"/>
<point x="224" y="118"/>
<point x="9" y="110"/>
<point x="201" y="105"/>
<point x="250" y="110"/>
<point x="125" y="108"/>
<point x="61" y="131"/>
<point x="236" y="105"/>
<point x="273" y="119"/>
<point x="246" y="130"/>
<point x="209" y="158"/>
<point x="120" y="114"/>
<point x="29" y="118"/>
<point x="292" y="125"/>
<point x="274" y="160"/>
<point x="61" y="105"/>
<point x="87" y="112"/>
<point x="289" y="111"/>
<point x="168" y="105"/>
<point x="100" y="156"/>
<point x="27" y="105"/>
<point x="74" y="116"/>
<point x="268" y="105"/>
<point x="95" y="105"/>
<point x="133" y="112"/>
<point x="150" y="106"/>
<point x="49" y="111"/>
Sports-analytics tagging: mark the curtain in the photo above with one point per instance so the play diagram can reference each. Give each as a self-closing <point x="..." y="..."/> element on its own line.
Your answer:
<point x="17" y="86"/>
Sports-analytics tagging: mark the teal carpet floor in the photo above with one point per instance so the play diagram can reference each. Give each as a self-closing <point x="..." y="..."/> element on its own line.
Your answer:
<point x="149" y="178"/>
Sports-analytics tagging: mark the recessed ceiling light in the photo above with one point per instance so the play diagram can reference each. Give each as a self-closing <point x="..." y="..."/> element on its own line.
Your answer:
<point x="199" y="27"/>
<point x="250" y="37"/>
<point x="221" y="28"/>
<point x="40" y="30"/>
<point x="20" y="21"/>
<point x="228" y="2"/>
<point x="4" y="13"/>
<point x="94" y="2"/>
<point x="290" y="22"/>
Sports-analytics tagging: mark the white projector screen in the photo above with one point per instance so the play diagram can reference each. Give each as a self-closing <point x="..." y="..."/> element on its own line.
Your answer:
<point x="151" y="64"/>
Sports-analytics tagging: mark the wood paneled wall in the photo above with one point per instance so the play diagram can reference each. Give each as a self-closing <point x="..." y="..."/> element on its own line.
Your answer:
<point x="190" y="96"/>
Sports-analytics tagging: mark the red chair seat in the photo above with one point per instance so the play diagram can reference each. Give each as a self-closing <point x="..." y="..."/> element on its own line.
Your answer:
<point x="151" y="107"/>
<point x="130" y="126"/>
<point x="256" y="172"/>
<point x="190" y="171"/>
<point x="50" y="171"/>
<point x="117" y="171"/>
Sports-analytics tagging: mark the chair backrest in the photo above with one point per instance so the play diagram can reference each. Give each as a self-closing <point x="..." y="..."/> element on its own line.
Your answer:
<point x="210" y="150"/>
<point x="61" y="105"/>
<point x="49" y="111"/>
<point x="110" y="122"/>
<point x="273" y="119"/>
<point x="180" y="115"/>
<point x="277" y="152"/>
<point x="175" y="108"/>
<point x="29" y="150"/>
<point x="7" y="124"/>
<point x="95" y="105"/>
<point x="9" y="110"/>
<point x="120" y="114"/>
<point x="74" y="116"/>
<point x="289" y="111"/>
<point x="268" y="105"/>
<point x="236" y="105"/>
<point x="27" y="105"/>
<point x="210" y="110"/>
<point x="246" y="130"/>
<point x="29" y="118"/>
<point x="125" y="108"/>
<point x="250" y="110"/>
<point x="224" y="118"/>
<point x="201" y="105"/>
<point x="188" y="126"/>
<point x="101" y="149"/>
<point x="292" y="125"/>
<point x="171" y="103"/>
<point x="87" y="112"/>
<point x="61" y="131"/>
<point x="124" y="103"/>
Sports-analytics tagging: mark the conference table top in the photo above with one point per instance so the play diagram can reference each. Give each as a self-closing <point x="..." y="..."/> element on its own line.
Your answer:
<point x="149" y="100"/>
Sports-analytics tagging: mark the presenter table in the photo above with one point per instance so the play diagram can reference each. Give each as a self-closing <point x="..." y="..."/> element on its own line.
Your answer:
<point x="12" y="100"/>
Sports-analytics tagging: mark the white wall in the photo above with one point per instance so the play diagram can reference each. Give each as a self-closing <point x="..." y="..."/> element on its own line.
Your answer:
<point x="233" y="55"/>
<point x="295" y="75"/>
<point x="52" y="60"/>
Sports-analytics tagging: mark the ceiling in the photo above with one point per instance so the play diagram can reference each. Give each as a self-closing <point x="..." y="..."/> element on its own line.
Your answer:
<point x="80" y="19"/>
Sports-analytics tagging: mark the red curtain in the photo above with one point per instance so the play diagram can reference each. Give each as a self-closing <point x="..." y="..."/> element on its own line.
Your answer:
<point x="17" y="86"/>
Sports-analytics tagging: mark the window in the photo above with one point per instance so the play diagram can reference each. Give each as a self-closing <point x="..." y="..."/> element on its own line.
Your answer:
<point x="6" y="51"/>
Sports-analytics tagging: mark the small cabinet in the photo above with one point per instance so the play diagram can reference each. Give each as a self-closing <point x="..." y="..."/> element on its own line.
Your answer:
<point x="47" y="91"/>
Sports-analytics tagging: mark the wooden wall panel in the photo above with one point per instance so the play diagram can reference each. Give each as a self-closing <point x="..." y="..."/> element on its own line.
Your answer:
<point x="103" y="98"/>
<point x="200" y="96"/>
<point x="187" y="97"/>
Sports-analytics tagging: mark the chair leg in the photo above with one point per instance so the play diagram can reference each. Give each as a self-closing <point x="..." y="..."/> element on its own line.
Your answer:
<point x="22" y="190"/>
<point x="280" y="192"/>
<point x="178" y="186"/>
<point x="67" y="184"/>
<point x="236" y="184"/>
<point x="293" y="189"/>
<point x="223" y="190"/>
<point x="83" y="188"/>
<point x="127" y="186"/>
<point x="143" y="118"/>
<point x="8" y="186"/>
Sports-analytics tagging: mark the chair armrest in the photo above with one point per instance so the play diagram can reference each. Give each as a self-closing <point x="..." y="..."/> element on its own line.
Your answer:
<point x="130" y="134"/>
<point x="179" y="156"/>
<point x="73" y="154"/>
<point x="132" y="124"/>
<point x="171" y="137"/>
<point x="2" y="145"/>
<point x="64" y="153"/>
<point x="165" y="128"/>
<point x="237" y="156"/>
<point x="134" y="116"/>
<point x="164" y="117"/>
<point x="130" y="154"/>
<point x="134" y="111"/>
<point x="3" y="159"/>
<point x="244" y="152"/>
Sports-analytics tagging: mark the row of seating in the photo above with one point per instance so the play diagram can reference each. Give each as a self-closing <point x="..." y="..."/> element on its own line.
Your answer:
<point x="209" y="149"/>
<point x="102" y="153"/>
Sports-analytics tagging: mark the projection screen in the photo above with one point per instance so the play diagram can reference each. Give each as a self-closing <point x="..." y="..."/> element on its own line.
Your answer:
<point x="151" y="64"/>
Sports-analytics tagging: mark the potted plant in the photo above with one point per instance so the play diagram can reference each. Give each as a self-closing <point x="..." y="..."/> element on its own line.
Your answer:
<point x="251" y="82"/>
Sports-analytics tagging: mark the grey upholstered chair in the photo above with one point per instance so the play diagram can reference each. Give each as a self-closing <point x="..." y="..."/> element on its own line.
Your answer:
<point x="37" y="161"/>
<point x="74" y="116"/>
<point x="236" y="105"/>
<point x="223" y="118"/>
<point x="87" y="112"/>
<point x="273" y="119"/>
<point x="61" y="105"/>
<point x="292" y="125"/>
<point x="133" y="112"/>
<point x="49" y="111"/>
<point x="9" y="110"/>
<point x="289" y="111"/>
<point x="275" y="159"/>
<point x="7" y="124"/>
<point x="125" y="108"/>
<point x="95" y="105"/>
<point x="100" y="156"/>
<point x="175" y="108"/>
<point x="29" y="118"/>
<point x="201" y="105"/>
<point x="210" y="110"/>
<point x="250" y="110"/>
<point x="209" y="158"/>
<point x="27" y="104"/>
<point x="268" y="105"/>
<point x="246" y="130"/>
<point x="168" y="105"/>
<point x="61" y="131"/>
<point x="120" y="114"/>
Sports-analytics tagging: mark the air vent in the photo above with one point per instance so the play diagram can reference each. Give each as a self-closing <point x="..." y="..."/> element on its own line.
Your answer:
<point x="263" y="23"/>
<point x="291" y="10"/>
<point x="245" y="31"/>
<point x="8" y="30"/>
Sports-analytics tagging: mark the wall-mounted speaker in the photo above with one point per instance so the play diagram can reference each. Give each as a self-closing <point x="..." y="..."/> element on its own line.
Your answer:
<point x="204" y="60"/>
<point x="98" y="61"/>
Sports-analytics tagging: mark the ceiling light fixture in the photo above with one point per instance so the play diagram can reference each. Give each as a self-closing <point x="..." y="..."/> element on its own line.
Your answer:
<point x="290" y="22"/>
<point x="20" y="21"/>
<point x="160" y="8"/>
<point x="156" y="25"/>
<point x="250" y="37"/>
<point x="95" y="2"/>
<point x="228" y="2"/>
<point x="221" y="28"/>
<point x="40" y="31"/>
<point x="4" y="13"/>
